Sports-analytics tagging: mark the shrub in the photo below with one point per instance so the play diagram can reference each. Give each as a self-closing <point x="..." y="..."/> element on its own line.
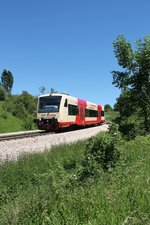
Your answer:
<point x="19" y="110"/>
<point x="101" y="151"/>
<point x="2" y="94"/>
<point x="28" y="122"/>
<point x="131" y="127"/>
<point x="4" y="114"/>
<point x="4" y="111"/>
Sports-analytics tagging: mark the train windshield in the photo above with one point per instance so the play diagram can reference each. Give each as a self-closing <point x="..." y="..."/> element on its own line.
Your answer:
<point x="48" y="104"/>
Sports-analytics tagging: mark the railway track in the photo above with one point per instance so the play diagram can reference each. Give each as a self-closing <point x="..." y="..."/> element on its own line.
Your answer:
<point x="28" y="134"/>
<point x="20" y="135"/>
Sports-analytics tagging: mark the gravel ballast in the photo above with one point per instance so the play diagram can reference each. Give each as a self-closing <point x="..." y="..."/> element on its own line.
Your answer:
<point x="13" y="149"/>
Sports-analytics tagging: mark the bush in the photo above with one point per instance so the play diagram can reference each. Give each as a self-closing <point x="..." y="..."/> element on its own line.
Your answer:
<point x="28" y="123"/>
<point x="2" y="94"/>
<point x="3" y="110"/>
<point x="101" y="151"/>
<point x="19" y="110"/>
<point x="22" y="105"/>
<point x="4" y="115"/>
<point x="131" y="127"/>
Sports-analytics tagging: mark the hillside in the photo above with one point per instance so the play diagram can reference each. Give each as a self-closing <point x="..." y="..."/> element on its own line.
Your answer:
<point x="17" y="112"/>
<point x="8" y="122"/>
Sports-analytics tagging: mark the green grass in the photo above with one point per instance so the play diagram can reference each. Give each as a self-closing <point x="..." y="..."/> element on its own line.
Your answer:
<point x="10" y="124"/>
<point x="44" y="189"/>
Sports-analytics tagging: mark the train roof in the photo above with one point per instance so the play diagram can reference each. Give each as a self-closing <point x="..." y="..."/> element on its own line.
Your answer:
<point x="67" y="95"/>
<point x="54" y="94"/>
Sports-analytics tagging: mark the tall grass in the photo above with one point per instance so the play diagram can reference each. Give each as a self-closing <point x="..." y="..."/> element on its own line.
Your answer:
<point x="44" y="188"/>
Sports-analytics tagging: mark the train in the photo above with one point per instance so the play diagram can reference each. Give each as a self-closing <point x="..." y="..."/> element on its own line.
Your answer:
<point x="56" y="111"/>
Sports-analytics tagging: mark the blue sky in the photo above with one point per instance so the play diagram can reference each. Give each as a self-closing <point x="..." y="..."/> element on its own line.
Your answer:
<point x="67" y="44"/>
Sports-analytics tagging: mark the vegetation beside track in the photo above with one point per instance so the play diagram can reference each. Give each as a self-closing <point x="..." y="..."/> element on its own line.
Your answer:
<point x="17" y="113"/>
<point x="11" y="124"/>
<point x="111" y="115"/>
<point x="47" y="188"/>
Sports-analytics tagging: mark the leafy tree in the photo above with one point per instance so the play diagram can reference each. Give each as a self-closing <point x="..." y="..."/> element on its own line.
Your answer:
<point x="22" y="105"/>
<point x="108" y="108"/>
<point x="29" y="102"/>
<point x="125" y="104"/>
<point x="7" y="80"/>
<point x="134" y="79"/>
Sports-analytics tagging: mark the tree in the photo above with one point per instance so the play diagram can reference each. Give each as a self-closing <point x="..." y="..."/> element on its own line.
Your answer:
<point x="23" y="105"/>
<point x="7" y="80"/>
<point x="29" y="102"/>
<point x="108" y="108"/>
<point x="42" y="89"/>
<point x="134" y="79"/>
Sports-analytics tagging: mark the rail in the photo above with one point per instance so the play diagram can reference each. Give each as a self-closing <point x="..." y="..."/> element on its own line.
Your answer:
<point x="22" y="134"/>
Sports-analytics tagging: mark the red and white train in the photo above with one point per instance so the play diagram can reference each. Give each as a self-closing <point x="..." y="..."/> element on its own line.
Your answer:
<point x="57" y="111"/>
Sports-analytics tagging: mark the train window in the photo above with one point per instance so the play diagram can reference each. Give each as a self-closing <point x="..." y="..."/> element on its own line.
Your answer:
<point x="91" y="113"/>
<point x="49" y="104"/>
<point x="102" y="113"/>
<point x="66" y="103"/>
<point x="72" y="110"/>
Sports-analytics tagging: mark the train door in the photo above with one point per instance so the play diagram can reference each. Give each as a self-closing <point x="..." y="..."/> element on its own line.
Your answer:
<point x="99" y="113"/>
<point x="81" y="115"/>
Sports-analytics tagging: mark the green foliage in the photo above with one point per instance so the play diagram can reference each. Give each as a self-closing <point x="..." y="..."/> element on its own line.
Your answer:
<point x="102" y="151"/>
<point x="124" y="104"/>
<point x="129" y="129"/>
<point x="131" y="123"/>
<point x="134" y="80"/>
<point x="111" y="116"/>
<point x="108" y="108"/>
<point x="28" y="122"/>
<point x="40" y="189"/>
<point x="4" y="112"/>
<point x="22" y="105"/>
<point x="2" y="94"/>
<point x="8" y="123"/>
<point x="123" y="52"/>
<point x="7" y="80"/>
<point x="29" y="102"/>
<point x="21" y="109"/>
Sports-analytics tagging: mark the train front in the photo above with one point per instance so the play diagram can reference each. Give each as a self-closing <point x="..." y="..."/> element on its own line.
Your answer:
<point x="48" y="112"/>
